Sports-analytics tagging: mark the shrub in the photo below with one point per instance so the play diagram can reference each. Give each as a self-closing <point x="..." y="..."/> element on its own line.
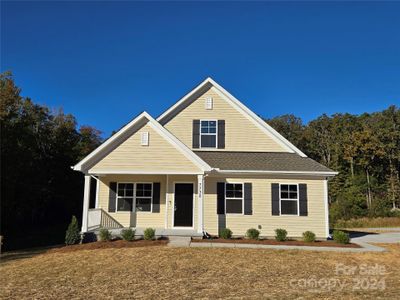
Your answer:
<point x="309" y="236"/>
<point x="225" y="233"/>
<point x="280" y="234"/>
<point x="341" y="237"/>
<point x="72" y="235"/>
<point x="253" y="234"/>
<point x="128" y="234"/>
<point x="104" y="235"/>
<point x="149" y="233"/>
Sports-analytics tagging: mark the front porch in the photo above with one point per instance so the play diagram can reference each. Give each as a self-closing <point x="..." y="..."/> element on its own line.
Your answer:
<point x="174" y="204"/>
<point x="162" y="232"/>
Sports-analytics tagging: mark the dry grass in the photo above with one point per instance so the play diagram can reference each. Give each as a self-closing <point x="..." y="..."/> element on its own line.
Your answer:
<point x="176" y="273"/>
<point x="369" y="222"/>
<point x="274" y="242"/>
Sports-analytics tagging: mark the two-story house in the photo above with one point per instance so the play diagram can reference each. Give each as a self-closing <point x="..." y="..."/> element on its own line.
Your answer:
<point x="206" y="163"/>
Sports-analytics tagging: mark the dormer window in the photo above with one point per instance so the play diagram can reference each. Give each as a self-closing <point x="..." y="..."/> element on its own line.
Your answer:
<point x="208" y="134"/>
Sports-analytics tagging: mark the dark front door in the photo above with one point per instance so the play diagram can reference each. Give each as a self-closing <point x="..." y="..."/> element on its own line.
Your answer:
<point x="183" y="216"/>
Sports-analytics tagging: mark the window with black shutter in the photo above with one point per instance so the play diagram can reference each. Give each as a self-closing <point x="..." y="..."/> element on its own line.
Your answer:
<point x="289" y="199"/>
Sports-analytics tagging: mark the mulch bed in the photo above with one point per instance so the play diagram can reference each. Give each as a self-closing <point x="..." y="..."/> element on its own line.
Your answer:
<point x="274" y="242"/>
<point x="110" y="244"/>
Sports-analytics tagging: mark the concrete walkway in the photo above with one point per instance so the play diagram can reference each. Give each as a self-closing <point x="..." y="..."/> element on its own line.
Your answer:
<point x="179" y="241"/>
<point x="365" y="247"/>
<point x="361" y="238"/>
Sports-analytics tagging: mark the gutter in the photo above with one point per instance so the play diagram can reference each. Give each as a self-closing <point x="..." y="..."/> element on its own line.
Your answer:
<point x="317" y="173"/>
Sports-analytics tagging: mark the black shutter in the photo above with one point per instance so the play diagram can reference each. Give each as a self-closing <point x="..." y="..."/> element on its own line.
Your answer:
<point x="275" y="198"/>
<point x="221" y="134"/>
<point x="112" y="197"/>
<point x="220" y="198"/>
<point x="248" y="199"/>
<point x="156" y="197"/>
<point x="303" y="199"/>
<point x="196" y="134"/>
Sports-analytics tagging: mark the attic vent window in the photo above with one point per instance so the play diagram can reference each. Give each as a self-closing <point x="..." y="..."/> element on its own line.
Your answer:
<point x="144" y="139"/>
<point x="209" y="103"/>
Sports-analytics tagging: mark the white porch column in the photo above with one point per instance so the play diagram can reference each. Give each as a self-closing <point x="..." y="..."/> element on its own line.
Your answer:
<point x="200" y="203"/>
<point x="166" y="202"/>
<point x="86" y="195"/>
<point x="326" y="207"/>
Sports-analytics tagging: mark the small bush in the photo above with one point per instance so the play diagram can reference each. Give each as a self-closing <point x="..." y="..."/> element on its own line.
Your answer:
<point x="128" y="234"/>
<point x="252" y="234"/>
<point x="341" y="237"/>
<point x="104" y="235"/>
<point x="309" y="236"/>
<point x="149" y="233"/>
<point x="225" y="233"/>
<point x="280" y="234"/>
<point x="72" y="235"/>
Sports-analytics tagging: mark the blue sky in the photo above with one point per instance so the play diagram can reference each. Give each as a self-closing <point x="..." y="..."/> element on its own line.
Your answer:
<point x="105" y="62"/>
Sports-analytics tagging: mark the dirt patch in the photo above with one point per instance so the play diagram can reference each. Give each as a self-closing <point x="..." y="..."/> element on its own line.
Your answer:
<point x="111" y="244"/>
<point x="274" y="242"/>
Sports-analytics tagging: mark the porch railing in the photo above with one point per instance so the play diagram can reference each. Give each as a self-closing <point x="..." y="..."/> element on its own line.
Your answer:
<point x="97" y="218"/>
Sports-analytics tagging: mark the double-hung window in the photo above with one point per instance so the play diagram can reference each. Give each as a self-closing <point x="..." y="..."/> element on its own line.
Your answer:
<point x="234" y="198"/>
<point x="125" y="196"/>
<point x="143" y="196"/>
<point x="208" y="134"/>
<point x="134" y="196"/>
<point x="289" y="199"/>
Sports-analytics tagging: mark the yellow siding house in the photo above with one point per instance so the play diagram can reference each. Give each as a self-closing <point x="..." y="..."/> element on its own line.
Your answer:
<point x="205" y="164"/>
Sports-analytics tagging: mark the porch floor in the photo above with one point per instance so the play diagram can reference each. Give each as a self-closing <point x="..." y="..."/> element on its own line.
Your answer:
<point x="160" y="232"/>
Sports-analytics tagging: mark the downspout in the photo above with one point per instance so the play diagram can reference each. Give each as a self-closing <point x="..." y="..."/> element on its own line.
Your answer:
<point x="204" y="192"/>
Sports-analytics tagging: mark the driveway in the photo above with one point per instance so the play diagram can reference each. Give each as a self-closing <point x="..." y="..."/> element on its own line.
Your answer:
<point x="381" y="237"/>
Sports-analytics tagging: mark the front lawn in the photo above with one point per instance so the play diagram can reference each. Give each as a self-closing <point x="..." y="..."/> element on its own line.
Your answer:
<point x="175" y="273"/>
<point x="329" y="243"/>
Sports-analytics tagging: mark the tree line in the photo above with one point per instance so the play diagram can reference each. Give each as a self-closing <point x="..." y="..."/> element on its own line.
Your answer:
<point x="40" y="191"/>
<point x="364" y="149"/>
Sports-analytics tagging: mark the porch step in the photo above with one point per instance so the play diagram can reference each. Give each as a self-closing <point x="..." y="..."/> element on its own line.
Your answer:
<point x="179" y="241"/>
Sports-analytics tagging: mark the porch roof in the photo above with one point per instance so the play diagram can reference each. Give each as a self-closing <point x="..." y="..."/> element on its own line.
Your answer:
<point x="262" y="161"/>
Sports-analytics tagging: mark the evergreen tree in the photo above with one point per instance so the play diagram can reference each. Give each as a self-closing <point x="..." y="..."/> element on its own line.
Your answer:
<point x="72" y="235"/>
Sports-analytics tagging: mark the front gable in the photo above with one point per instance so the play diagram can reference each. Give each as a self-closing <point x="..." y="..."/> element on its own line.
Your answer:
<point x="244" y="131"/>
<point x="158" y="157"/>
<point x="240" y="133"/>
<point x="142" y="146"/>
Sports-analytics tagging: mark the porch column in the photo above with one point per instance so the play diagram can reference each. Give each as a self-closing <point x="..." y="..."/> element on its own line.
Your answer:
<point x="86" y="195"/>
<point x="200" y="204"/>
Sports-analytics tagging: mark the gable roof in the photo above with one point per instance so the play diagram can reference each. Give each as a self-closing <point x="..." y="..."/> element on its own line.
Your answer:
<point x="128" y="130"/>
<point x="260" y="123"/>
<point x="263" y="162"/>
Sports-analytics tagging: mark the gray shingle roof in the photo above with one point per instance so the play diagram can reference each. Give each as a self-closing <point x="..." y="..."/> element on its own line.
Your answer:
<point x="261" y="161"/>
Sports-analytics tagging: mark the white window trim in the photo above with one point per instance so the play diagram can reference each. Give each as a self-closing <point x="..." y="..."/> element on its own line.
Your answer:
<point x="130" y="197"/>
<point x="216" y="134"/>
<point x="151" y="198"/>
<point x="234" y="198"/>
<point x="134" y="198"/>
<point x="297" y="200"/>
